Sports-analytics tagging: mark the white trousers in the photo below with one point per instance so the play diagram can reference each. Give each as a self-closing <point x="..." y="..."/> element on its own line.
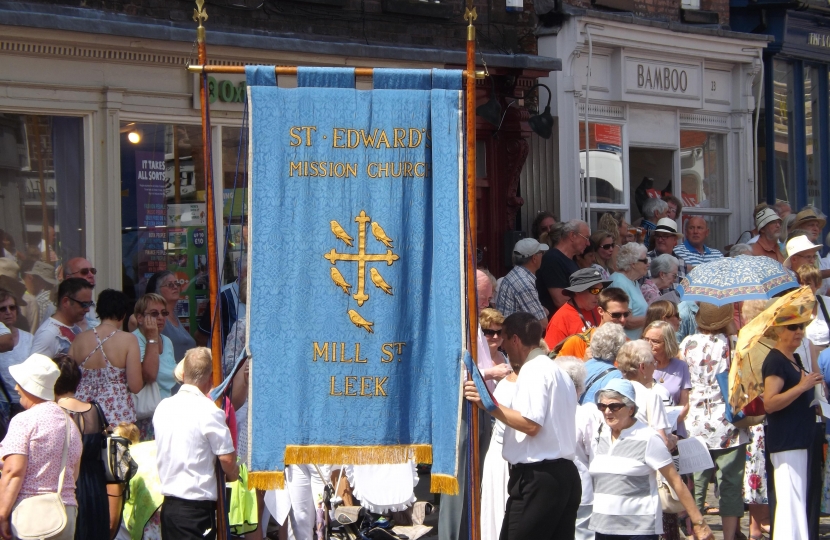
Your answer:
<point x="790" y="473"/>
<point x="305" y="488"/>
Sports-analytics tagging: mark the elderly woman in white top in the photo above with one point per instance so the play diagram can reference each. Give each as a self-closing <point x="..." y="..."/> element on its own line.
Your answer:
<point x="660" y="286"/>
<point x="627" y="456"/>
<point x="588" y="420"/>
<point x="632" y="264"/>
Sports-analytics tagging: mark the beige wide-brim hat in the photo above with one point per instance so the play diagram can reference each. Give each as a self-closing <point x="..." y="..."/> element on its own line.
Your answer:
<point x="712" y="318"/>
<point x="37" y="375"/>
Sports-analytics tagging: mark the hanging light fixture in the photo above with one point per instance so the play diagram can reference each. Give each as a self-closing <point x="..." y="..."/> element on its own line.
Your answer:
<point x="134" y="137"/>
<point x="491" y="111"/>
<point x="542" y="124"/>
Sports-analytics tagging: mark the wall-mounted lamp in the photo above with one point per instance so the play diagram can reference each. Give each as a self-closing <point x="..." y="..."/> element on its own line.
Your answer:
<point x="542" y="124"/>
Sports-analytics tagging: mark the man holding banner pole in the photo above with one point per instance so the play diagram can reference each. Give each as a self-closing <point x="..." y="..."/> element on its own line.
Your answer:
<point x="539" y="439"/>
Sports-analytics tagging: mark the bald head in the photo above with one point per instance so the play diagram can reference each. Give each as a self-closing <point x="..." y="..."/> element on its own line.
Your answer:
<point x="80" y="268"/>
<point x="198" y="367"/>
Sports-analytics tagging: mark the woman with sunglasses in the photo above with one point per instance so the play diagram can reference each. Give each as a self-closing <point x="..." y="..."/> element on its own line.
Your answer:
<point x="632" y="264"/>
<point x="605" y="250"/>
<point x="495" y="473"/>
<point x="22" y="347"/>
<point x="109" y="360"/>
<point x="166" y="285"/>
<point x="627" y="457"/>
<point x="791" y="426"/>
<point x="157" y="360"/>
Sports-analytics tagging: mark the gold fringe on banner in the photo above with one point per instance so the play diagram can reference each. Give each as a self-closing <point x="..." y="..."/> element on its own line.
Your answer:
<point x="358" y="455"/>
<point x="266" y="480"/>
<point x="443" y="483"/>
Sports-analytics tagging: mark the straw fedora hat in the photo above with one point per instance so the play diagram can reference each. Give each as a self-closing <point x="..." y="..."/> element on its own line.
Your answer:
<point x="712" y="318"/>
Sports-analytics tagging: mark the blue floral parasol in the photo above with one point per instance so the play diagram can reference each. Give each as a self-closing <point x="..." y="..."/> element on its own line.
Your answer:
<point x="735" y="279"/>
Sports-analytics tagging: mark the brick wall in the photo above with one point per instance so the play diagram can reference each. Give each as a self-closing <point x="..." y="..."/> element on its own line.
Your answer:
<point x="361" y="21"/>
<point x="666" y="10"/>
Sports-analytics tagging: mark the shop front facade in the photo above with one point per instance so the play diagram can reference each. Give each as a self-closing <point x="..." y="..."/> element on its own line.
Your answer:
<point x="101" y="146"/>
<point x="794" y="127"/>
<point x="670" y="110"/>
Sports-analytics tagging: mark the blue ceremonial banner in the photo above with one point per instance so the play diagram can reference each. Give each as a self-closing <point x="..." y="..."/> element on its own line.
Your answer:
<point x="356" y="310"/>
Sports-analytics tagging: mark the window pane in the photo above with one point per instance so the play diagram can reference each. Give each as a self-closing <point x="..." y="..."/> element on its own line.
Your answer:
<point x="784" y="141"/>
<point x="703" y="169"/>
<point x="811" y="89"/>
<point x="163" y="213"/>
<point x="42" y="192"/>
<point x="718" y="230"/>
<point x="604" y="160"/>
<point x="235" y="182"/>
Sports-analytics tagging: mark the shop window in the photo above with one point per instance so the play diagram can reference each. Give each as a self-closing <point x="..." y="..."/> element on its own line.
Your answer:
<point x="163" y="212"/>
<point x="42" y="214"/>
<point x="605" y="161"/>
<point x="784" y="143"/>
<point x="718" y="229"/>
<point x="811" y="128"/>
<point x="235" y="196"/>
<point x="703" y="169"/>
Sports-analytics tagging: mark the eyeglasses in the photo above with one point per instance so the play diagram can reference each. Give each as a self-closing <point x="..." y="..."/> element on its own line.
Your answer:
<point x="607" y="246"/>
<point x="584" y="237"/>
<point x="796" y="327"/>
<point x="85" y="305"/>
<point x="644" y="261"/>
<point x="156" y="314"/>
<point x="614" y="407"/>
<point x="84" y="272"/>
<point x="491" y="333"/>
<point x="8" y="309"/>
<point x="673" y="276"/>
<point x="171" y="285"/>
<point x="620" y="315"/>
<point x="595" y="290"/>
<point x="654" y="341"/>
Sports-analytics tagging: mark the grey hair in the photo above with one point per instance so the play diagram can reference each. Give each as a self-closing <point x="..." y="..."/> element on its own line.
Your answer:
<point x="632" y="354"/>
<point x="630" y="254"/>
<point x="613" y="394"/>
<point x="607" y="340"/>
<point x="654" y="206"/>
<point x="575" y="368"/>
<point x="740" y="249"/>
<point x="521" y="260"/>
<point x="663" y="263"/>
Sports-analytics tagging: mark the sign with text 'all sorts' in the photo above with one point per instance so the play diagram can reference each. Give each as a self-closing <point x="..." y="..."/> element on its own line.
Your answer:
<point x="356" y="308"/>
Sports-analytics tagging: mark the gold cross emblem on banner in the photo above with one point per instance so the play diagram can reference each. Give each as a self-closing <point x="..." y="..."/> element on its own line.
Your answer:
<point x="361" y="257"/>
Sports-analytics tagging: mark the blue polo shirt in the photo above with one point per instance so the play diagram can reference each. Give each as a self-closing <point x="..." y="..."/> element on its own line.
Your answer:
<point x="693" y="257"/>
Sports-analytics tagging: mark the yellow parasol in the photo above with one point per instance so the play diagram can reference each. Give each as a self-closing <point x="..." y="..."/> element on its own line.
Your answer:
<point x="745" y="379"/>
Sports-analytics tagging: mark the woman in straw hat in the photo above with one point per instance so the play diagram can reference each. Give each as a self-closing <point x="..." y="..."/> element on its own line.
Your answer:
<point x="708" y="353"/>
<point x="33" y="448"/>
<point x="791" y="423"/>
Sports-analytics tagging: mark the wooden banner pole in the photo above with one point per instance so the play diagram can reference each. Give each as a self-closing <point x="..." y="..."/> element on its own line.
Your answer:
<point x="470" y="16"/>
<point x="200" y="15"/>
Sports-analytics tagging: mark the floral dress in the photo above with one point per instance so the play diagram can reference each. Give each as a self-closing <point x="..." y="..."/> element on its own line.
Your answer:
<point x="107" y="386"/>
<point x="755" y="477"/>
<point x="707" y="355"/>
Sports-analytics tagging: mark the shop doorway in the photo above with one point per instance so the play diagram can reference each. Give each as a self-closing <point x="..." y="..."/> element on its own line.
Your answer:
<point x="644" y="164"/>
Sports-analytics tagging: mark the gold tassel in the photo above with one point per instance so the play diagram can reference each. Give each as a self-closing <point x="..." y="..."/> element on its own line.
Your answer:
<point x="443" y="483"/>
<point x="358" y="455"/>
<point x="266" y="480"/>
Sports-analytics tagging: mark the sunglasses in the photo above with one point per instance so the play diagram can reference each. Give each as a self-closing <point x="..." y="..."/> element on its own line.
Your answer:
<point x="156" y="314"/>
<point x="614" y="407"/>
<point x="595" y="290"/>
<point x="796" y="327"/>
<point x="607" y="246"/>
<point x="491" y="333"/>
<point x="85" y="305"/>
<point x="620" y="315"/>
<point x="8" y="309"/>
<point x="644" y="261"/>
<point x="84" y="272"/>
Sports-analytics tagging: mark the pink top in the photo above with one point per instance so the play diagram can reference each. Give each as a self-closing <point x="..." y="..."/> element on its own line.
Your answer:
<point x="39" y="433"/>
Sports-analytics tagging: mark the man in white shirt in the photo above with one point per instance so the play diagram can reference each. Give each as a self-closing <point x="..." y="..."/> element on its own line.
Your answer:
<point x="79" y="267"/>
<point x="55" y="334"/>
<point x="539" y="439"/>
<point x="191" y="434"/>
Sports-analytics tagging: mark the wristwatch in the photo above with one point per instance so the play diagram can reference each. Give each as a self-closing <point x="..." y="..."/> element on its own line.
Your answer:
<point x="152" y="341"/>
<point x="699" y="522"/>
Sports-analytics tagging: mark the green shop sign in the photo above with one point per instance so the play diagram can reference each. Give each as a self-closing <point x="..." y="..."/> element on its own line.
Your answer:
<point x="226" y="91"/>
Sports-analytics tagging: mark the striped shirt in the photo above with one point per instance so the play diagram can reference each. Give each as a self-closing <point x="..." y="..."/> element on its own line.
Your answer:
<point x="625" y="484"/>
<point x="693" y="257"/>
<point x="517" y="292"/>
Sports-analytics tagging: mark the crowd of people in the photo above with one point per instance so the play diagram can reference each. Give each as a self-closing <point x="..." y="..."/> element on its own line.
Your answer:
<point x="598" y="367"/>
<point x="611" y="369"/>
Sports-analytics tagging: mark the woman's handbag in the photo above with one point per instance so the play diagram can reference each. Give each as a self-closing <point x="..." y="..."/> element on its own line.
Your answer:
<point x="119" y="467"/>
<point x="146" y="401"/>
<point x="668" y="497"/>
<point x="44" y="515"/>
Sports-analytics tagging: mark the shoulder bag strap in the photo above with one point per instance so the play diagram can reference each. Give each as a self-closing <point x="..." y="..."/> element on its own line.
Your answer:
<point x="595" y="379"/>
<point x="64" y="454"/>
<point x="823" y="309"/>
